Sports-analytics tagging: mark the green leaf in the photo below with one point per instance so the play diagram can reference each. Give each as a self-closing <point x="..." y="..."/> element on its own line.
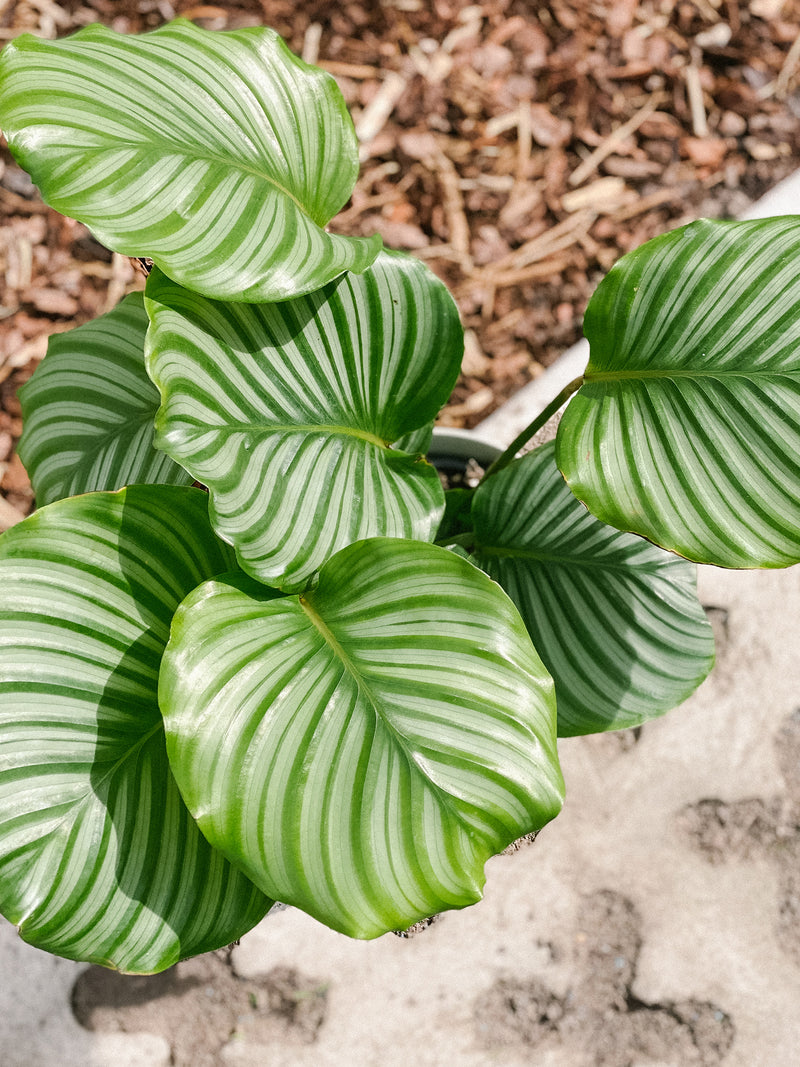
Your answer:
<point x="88" y="411"/>
<point x="219" y="155"/>
<point x="457" y="518"/>
<point x="616" y="620"/>
<point x="286" y="411"/>
<point x="99" y="858"/>
<point x="362" y="749"/>
<point x="418" y="442"/>
<point x="687" y="429"/>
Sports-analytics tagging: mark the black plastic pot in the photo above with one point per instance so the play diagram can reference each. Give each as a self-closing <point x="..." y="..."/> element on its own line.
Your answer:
<point x="452" y="449"/>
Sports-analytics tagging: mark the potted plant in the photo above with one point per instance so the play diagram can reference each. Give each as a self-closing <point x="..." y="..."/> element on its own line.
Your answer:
<point x="251" y="650"/>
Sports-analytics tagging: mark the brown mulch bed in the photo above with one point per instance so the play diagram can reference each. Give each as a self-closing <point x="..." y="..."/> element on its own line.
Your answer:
<point x="518" y="148"/>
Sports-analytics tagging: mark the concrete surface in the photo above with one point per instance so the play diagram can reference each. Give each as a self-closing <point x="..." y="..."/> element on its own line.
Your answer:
<point x="710" y="910"/>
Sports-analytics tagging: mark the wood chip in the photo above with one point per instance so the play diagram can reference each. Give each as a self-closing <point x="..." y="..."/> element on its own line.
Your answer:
<point x="475" y="403"/>
<point x="53" y="302"/>
<point x="205" y="11"/>
<point x="705" y="151"/>
<point x="15" y="477"/>
<point x="547" y="129"/>
<point x="9" y="515"/>
<point x="603" y="196"/>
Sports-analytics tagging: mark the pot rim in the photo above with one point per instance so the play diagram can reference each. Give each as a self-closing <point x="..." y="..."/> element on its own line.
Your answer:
<point x="463" y="444"/>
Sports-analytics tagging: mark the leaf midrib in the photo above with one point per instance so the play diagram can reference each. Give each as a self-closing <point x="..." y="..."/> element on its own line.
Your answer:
<point x="266" y="429"/>
<point x="501" y="552"/>
<point x="92" y="792"/>
<point x="228" y="162"/>
<point x="363" y="686"/>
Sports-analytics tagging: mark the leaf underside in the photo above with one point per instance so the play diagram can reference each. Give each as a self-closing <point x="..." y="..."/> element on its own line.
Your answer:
<point x="687" y="429"/>
<point x="615" y="619"/>
<point x="99" y="857"/>
<point x="220" y="155"/>
<point x="362" y="749"/>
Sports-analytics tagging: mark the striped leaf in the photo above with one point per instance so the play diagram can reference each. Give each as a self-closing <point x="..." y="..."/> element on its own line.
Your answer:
<point x="687" y="429"/>
<point x="287" y="411"/>
<point x="88" y="411"/>
<point x="99" y="857"/>
<point x="220" y="155"/>
<point x="615" y="619"/>
<point x="360" y="750"/>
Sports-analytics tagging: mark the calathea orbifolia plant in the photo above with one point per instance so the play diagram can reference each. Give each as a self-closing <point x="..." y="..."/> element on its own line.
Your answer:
<point x="307" y="679"/>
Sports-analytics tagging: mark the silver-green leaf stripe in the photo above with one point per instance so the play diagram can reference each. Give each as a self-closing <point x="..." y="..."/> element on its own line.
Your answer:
<point x="99" y="858"/>
<point x="220" y="155"/>
<point x="88" y="411"/>
<point x="287" y="411"/>
<point x="615" y="619"/>
<point x="360" y="750"/>
<point x="687" y="429"/>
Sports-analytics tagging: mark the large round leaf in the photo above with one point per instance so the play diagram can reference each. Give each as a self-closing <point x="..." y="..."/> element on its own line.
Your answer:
<point x="88" y="411"/>
<point x="287" y="411"/>
<point x="99" y="858"/>
<point x="687" y="429"/>
<point x="615" y="619"/>
<point x="362" y="749"/>
<point x="220" y="155"/>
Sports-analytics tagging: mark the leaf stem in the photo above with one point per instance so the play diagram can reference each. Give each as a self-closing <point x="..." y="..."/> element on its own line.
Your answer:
<point x="533" y="427"/>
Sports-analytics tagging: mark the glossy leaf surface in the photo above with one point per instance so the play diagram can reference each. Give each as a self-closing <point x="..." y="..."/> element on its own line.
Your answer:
<point x="687" y="429"/>
<point x="287" y="411"/>
<point x="361" y="750"/>
<point x="88" y="411"/>
<point x="219" y="155"/>
<point x="615" y="619"/>
<point x="99" y="857"/>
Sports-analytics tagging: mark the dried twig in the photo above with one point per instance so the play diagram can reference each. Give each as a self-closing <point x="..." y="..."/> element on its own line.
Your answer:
<point x="356" y="71"/>
<point x="646" y="203"/>
<point x="311" y="40"/>
<point x="546" y="268"/>
<point x="609" y="145"/>
<point x="787" y="71"/>
<point x="453" y="205"/>
<point x="375" y="115"/>
<point x="557" y="239"/>
<point x="694" y="94"/>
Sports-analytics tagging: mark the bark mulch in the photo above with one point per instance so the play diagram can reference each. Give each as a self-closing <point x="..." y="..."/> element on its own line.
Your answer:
<point x="518" y="148"/>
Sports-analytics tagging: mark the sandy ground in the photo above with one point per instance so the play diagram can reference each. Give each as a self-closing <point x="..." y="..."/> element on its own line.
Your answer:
<point x="655" y="922"/>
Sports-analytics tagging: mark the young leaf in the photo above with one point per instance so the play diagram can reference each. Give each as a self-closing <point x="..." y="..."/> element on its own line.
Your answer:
<point x="88" y="411"/>
<point x="615" y="619"/>
<point x="219" y="155"/>
<point x="286" y="411"/>
<point x="362" y="749"/>
<point x="99" y="858"/>
<point x="687" y="429"/>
